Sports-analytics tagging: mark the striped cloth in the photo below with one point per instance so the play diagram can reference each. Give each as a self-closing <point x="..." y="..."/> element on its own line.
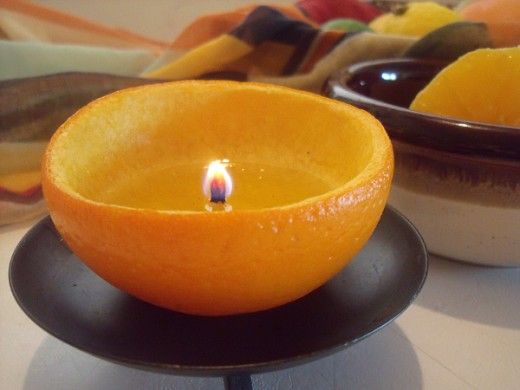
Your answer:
<point x="281" y="45"/>
<point x="271" y="45"/>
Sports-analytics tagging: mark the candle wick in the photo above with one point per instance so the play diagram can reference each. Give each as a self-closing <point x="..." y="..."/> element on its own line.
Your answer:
<point x="220" y="206"/>
<point x="218" y="190"/>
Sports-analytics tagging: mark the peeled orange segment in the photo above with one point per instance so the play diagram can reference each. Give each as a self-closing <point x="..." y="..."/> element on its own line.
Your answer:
<point x="415" y="19"/>
<point x="481" y="86"/>
<point x="216" y="263"/>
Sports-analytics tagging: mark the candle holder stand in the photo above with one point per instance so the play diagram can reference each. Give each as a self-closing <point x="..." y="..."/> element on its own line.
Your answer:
<point x="61" y="295"/>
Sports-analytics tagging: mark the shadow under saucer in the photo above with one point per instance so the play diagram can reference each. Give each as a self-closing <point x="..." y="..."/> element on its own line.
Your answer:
<point x="58" y="366"/>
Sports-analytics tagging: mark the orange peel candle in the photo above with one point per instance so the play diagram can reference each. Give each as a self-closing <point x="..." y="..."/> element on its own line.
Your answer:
<point x="122" y="180"/>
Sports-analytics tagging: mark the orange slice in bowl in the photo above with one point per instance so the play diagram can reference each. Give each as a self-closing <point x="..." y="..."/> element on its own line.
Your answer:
<point x="216" y="263"/>
<point x="481" y="86"/>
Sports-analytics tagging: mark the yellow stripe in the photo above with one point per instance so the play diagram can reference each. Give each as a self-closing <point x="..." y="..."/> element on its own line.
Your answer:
<point x="20" y="182"/>
<point x="20" y="156"/>
<point x="208" y="57"/>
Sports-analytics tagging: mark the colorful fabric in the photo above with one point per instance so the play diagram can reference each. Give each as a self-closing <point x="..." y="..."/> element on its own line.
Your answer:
<point x="322" y="11"/>
<point x="273" y="44"/>
<point x="279" y="44"/>
<point x="20" y="184"/>
<point x="210" y="26"/>
<point x="25" y="21"/>
<point x="36" y="40"/>
<point x="270" y="44"/>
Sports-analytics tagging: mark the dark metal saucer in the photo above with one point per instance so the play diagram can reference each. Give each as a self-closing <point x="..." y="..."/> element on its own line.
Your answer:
<point x="69" y="301"/>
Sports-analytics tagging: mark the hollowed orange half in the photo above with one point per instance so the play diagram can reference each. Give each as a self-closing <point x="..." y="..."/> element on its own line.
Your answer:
<point x="217" y="263"/>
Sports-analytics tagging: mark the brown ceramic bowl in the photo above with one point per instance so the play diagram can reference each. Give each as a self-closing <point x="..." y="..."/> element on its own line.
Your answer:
<point x="457" y="181"/>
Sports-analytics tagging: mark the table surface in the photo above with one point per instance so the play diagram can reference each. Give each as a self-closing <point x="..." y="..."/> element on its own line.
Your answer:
<point x="463" y="331"/>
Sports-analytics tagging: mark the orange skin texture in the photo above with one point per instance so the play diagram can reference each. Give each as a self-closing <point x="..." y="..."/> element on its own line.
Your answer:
<point x="501" y="16"/>
<point x="223" y="263"/>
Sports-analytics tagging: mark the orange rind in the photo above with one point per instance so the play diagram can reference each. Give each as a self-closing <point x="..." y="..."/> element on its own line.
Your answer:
<point x="502" y="18"/>
<point x="217" y="263"/>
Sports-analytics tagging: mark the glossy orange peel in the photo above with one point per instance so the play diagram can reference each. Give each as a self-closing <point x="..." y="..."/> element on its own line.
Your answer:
<point x="218" y="263"/>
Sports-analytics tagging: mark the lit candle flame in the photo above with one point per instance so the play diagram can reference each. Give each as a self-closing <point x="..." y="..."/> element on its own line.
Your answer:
<point x="217" y="184"/>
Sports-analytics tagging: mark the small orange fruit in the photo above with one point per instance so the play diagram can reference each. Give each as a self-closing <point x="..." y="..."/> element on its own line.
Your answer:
<point x="501" y="16"/>
<point x="216" y="263"/>
<point x="481" y="86"/>
<point x="414" y="19"/>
